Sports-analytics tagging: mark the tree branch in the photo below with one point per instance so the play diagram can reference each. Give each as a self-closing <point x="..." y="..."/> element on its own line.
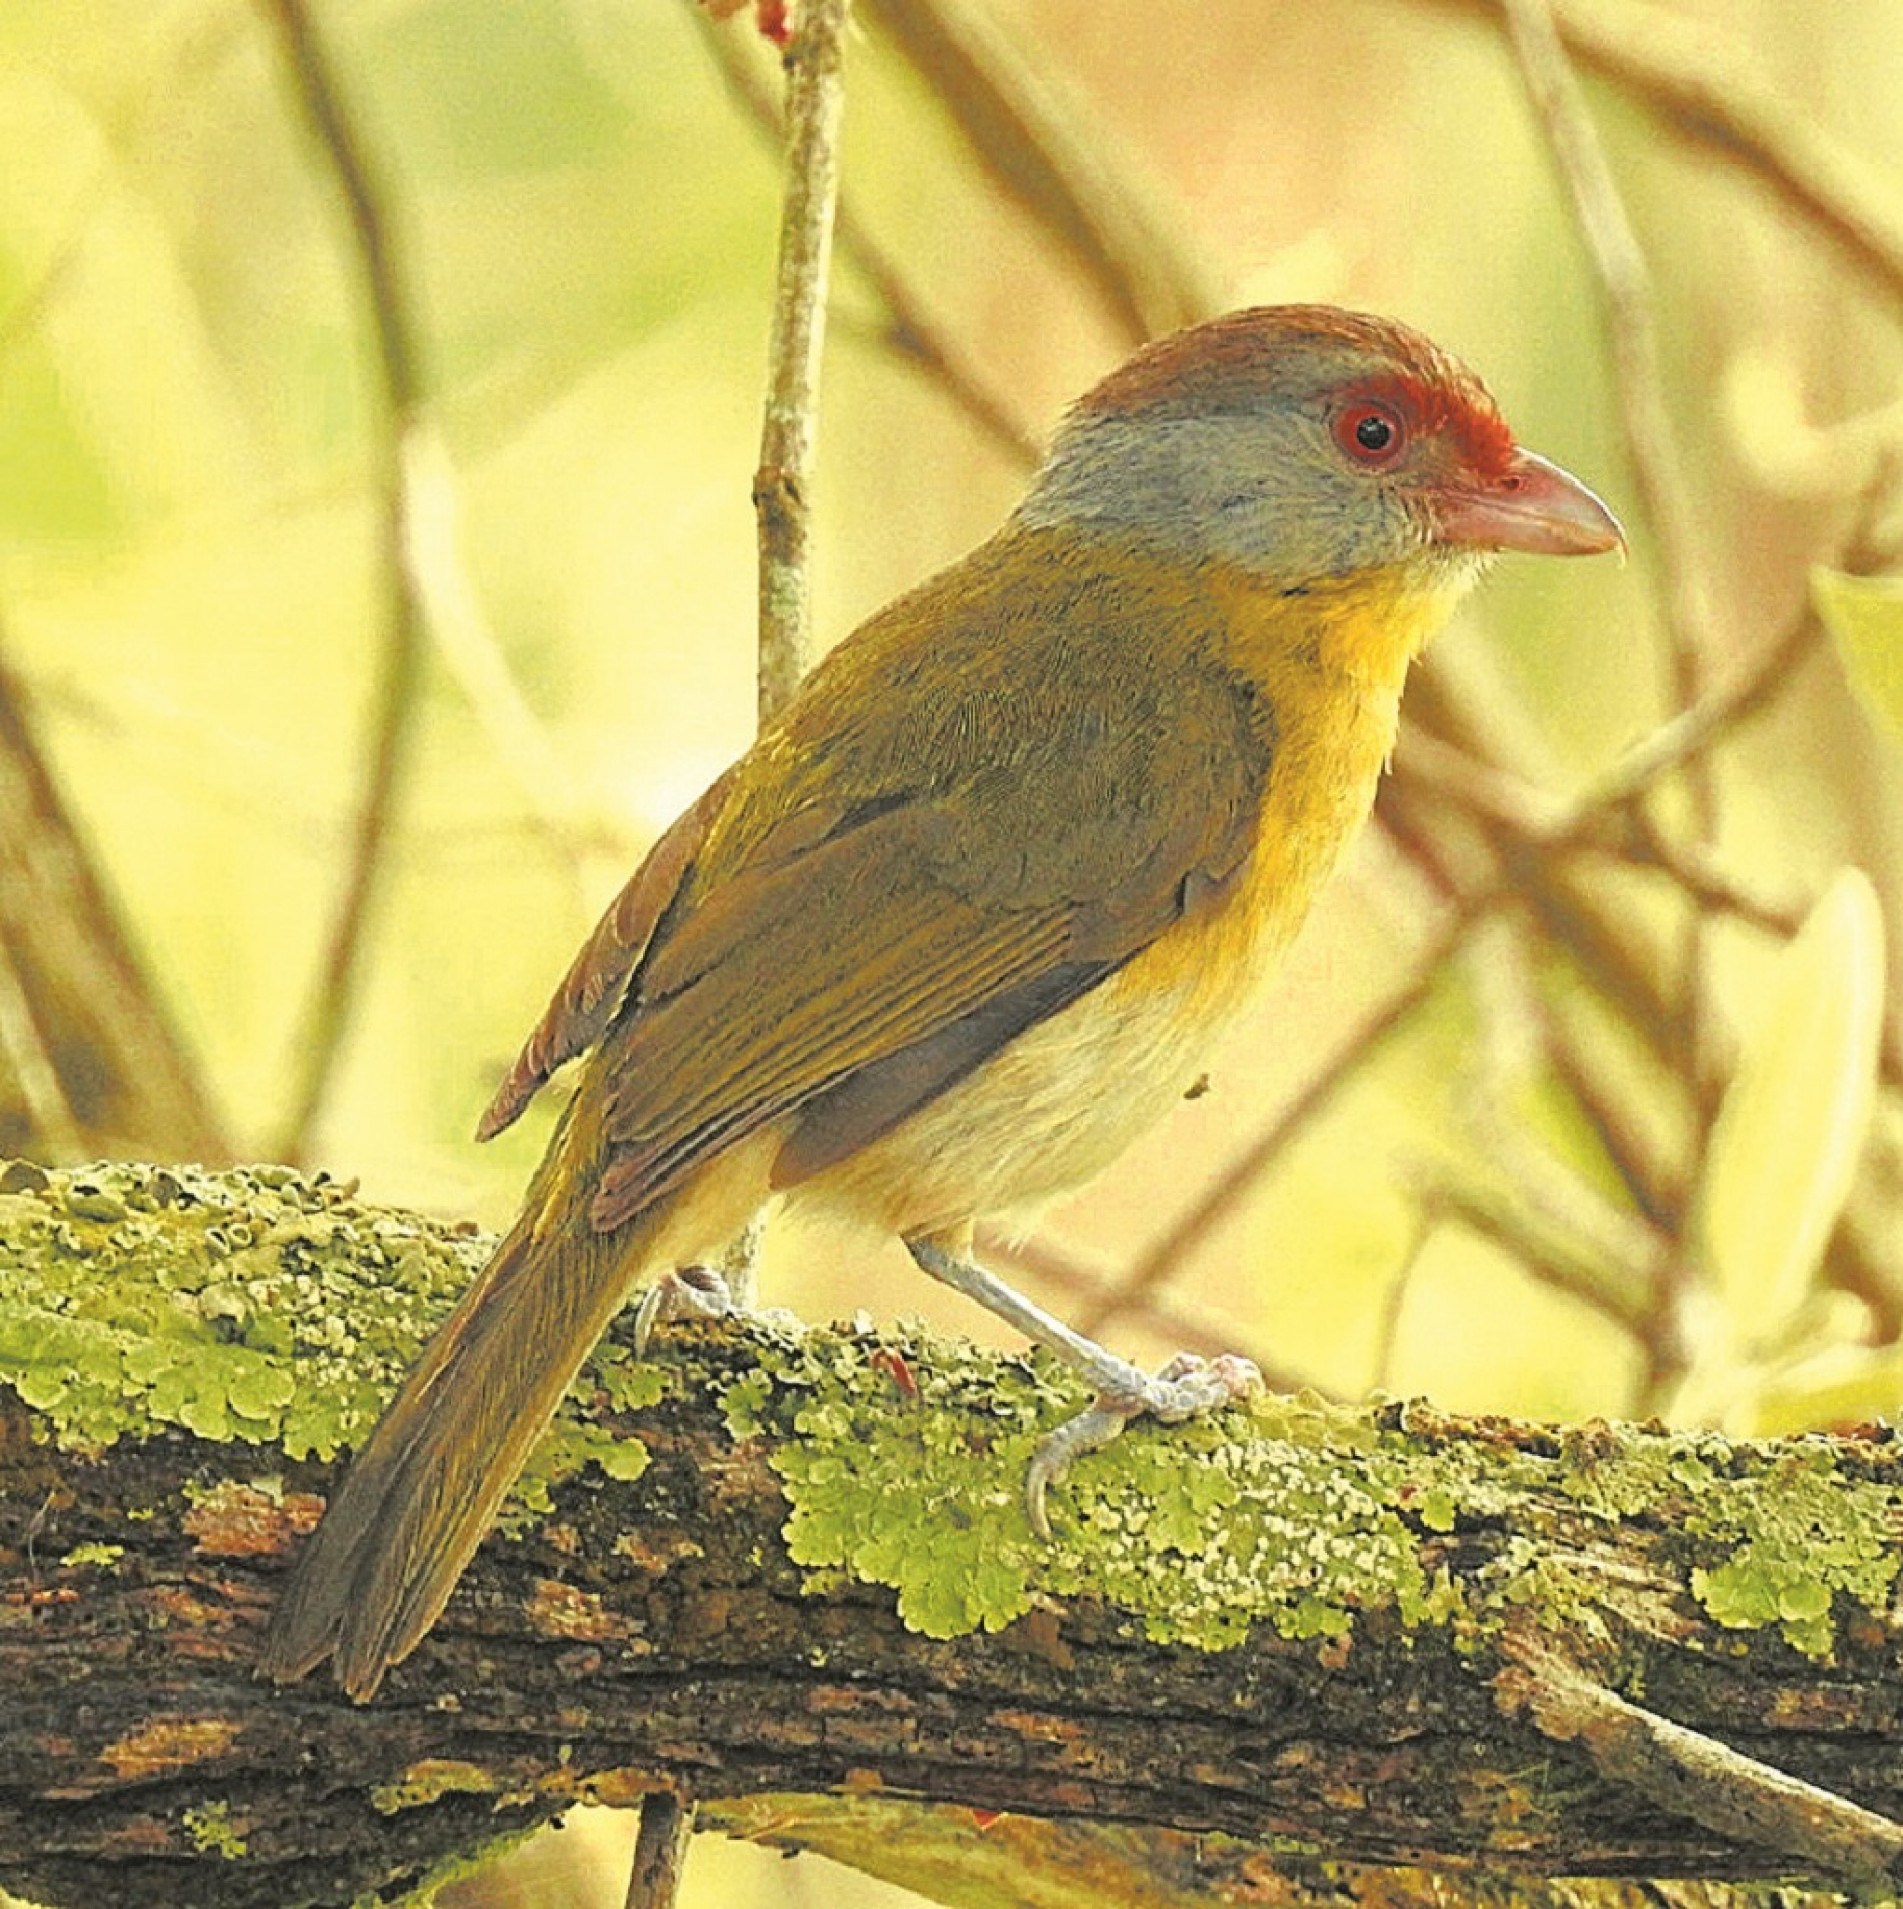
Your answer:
<point x="1044" y="148"/>
<point x="911" y="328"/>
<point x="759" y="1567"/>
<point x="399" y="670"/>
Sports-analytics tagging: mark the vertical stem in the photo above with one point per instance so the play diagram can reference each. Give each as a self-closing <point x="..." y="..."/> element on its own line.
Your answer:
<point x="815" y="95"/>
<point x="815" y="99"/>
<point x="660" y="1851"/>
<point x="399" y="671"/>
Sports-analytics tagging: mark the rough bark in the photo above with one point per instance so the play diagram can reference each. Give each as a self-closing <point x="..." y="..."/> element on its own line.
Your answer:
<point x="773" y="1562"/>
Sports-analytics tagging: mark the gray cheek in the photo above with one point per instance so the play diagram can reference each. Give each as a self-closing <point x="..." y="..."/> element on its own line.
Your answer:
<point x="1224" y="489"/>
<point x="1328" y="535"/>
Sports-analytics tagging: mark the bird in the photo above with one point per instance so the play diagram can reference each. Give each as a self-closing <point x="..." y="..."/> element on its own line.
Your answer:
<point x="973" y="909"/>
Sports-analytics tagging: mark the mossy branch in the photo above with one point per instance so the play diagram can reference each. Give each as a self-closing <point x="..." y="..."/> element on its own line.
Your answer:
<point x="778" y="1563"/>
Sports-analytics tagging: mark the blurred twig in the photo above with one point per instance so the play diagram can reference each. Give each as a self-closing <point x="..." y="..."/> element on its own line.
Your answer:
<point x="1602" y="1264"/>
<point x="90" y="1061"/>
<point x="333" y="998"/>
<point x="50" y="1129"/>
<point x="1658" y="479"/>
<point x="1040" y="143"/>
<point x="466" y="644"/>
<point x="1388" y="1332"/>
<point x="1705" y="88"/>
<point x="911" y="328"/>
<point x="1628" y="833"/>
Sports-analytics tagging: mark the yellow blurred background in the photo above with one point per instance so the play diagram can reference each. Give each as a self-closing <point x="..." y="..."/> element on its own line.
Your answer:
<point x="190" y="595"/>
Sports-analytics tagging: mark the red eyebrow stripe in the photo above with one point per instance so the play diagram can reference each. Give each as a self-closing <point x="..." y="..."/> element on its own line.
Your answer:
<point x="1467" y="416"/>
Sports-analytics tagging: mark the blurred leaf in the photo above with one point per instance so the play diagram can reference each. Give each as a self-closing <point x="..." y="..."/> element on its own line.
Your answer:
<point x="1787" y="1137"/>
<point x="1864" y="616"/>
<point x="1840" y="1387"/>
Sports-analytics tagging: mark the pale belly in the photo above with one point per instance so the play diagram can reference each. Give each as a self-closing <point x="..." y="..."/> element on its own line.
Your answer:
<point x="1065" y="1098"/>
<point x="1046" y="1114"/>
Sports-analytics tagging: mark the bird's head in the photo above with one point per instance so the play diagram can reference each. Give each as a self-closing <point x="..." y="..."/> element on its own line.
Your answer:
<point x="1302" y="443"/>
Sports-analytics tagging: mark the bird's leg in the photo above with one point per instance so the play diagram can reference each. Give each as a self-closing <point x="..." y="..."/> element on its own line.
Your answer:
<point x="690" y="1292"/>
<point x="1186" y="1386"/>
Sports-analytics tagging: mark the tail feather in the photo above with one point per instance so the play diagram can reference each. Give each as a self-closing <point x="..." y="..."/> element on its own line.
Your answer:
<point x="420" y="1495"/>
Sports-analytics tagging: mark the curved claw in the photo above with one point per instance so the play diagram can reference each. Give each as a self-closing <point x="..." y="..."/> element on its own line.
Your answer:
<point x="1186" y="1387"/>
<point x="694" y="1292"/>
<point x="1090" y="1431"/>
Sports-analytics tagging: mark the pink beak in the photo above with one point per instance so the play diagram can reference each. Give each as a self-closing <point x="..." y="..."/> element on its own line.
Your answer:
<point x="1532" y="505"/>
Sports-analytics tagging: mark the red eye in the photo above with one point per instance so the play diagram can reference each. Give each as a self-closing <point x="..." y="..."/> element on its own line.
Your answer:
<point x="1370" y="433"/>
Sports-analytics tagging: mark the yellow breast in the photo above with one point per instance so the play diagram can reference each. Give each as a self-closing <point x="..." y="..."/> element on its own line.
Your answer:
<point x="1331" y="664"/>
<point x="1068" y="1095"/>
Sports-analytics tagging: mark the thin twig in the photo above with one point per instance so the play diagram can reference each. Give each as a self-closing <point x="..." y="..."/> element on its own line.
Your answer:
<point x="399" y="669"/>
<point x="911" y="328"/>
<point x="660" y="1851"/>
<point x="1630" y="835"/>
<point x="1042" y="145"/>
<point x="815" y="104"/>
<point x="1388" y="1331"/>
<point x="1695" y="1775"/>
<point x="815" y="99"/>
<point x="1696" y="869"/>
<point x="1583" y="1057"/>
<point x="1625" y="283"/>
<point x="1686" y="736"/>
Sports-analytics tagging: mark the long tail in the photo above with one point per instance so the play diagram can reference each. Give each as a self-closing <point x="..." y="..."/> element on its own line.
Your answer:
<point x="420" y="1495"/>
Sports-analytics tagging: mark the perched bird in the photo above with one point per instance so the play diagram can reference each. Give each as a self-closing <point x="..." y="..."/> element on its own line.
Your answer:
<point x="969" y="914"/>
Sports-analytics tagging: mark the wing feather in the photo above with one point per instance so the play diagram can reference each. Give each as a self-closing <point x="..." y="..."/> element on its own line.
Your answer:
<point x="804" y="999"/>
<point x="983" y="803"/>
<point x="597" y="980"/>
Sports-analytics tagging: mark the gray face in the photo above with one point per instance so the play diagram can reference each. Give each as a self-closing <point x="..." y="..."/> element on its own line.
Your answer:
<point x="1235" y="441"/>
<point x="1269" y="490"/>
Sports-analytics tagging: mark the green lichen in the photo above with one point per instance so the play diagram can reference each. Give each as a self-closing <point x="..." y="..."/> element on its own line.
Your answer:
<point x="1800" y="1534"/>
<point x="1294" y="1514"/>
<point x="742" y="1404"/>
<point x="1623" y="1472"/>
<point x="1199" y="1530"/>
<point x="104" y="1557"/>
<point x="213" y="1832"/>
<point x="427" y="1782"/>
<point x="457" y="1867"/>
<point x="255" y="1304"/>
<point x="1777" y="1533"/>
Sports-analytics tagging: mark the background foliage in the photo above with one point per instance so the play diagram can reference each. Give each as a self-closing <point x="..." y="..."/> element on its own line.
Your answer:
<point x="1554" y="1188"/>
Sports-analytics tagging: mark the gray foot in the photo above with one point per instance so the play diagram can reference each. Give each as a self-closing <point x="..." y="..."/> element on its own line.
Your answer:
<point x="1187" y="1386"/>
